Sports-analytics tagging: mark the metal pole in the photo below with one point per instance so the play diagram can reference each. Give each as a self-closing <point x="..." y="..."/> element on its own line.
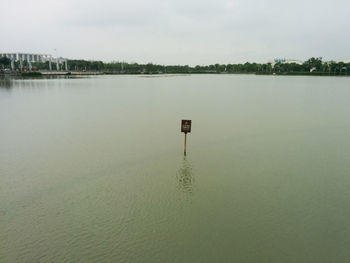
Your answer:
<point x="185" y="143"/>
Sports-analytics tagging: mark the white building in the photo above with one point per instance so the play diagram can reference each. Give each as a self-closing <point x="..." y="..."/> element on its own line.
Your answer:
<point x="32" y="57"/>
<point x="344" y="61"/>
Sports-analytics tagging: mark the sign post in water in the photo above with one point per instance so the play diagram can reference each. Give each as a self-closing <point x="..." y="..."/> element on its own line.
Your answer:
<point x="185" y="127"/>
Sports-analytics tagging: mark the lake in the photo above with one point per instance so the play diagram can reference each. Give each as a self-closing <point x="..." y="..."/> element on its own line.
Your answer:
<point x="92" y="169"/>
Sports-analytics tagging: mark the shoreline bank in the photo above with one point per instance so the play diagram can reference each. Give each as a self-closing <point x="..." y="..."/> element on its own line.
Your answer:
<point x="38" y="74"/>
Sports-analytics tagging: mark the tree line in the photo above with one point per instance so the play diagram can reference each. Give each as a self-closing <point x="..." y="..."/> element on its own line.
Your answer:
<point x="312" y="66"/>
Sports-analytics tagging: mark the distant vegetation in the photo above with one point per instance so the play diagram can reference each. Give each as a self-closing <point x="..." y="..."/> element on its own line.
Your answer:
<point x="31" y="74"/>
<point x="5" y="62"/>
<point x="313" y="66"/>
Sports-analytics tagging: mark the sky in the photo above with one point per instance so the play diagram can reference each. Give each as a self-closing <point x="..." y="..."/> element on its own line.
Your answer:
<point x="193" y="32"/>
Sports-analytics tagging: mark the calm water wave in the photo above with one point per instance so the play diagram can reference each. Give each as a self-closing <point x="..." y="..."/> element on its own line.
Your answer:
<point x="92" y="169"/>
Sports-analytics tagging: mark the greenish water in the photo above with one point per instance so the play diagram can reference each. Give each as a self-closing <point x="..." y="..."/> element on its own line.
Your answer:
<point x="92" y="169"/>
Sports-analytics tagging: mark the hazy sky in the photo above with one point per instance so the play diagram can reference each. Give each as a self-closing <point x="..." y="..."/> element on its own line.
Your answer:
<point x="178" y="31"/>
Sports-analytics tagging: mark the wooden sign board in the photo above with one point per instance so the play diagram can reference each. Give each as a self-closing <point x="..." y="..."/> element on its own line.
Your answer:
<point x="186" y="126"/>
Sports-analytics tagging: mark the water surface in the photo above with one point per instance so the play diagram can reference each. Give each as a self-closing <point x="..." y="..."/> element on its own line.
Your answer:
<point x="92" y="169"/>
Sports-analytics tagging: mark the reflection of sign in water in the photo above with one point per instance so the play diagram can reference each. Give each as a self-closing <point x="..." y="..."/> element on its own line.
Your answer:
<point x="185" y="177"/>
<point x="186" y="126"/>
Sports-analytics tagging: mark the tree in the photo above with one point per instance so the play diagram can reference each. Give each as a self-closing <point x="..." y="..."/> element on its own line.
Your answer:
<point x="4" y="61"/>
<point x="313" y="63"/>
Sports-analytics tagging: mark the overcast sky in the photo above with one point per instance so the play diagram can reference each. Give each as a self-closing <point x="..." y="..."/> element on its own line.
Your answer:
<point x="177" y="31"/>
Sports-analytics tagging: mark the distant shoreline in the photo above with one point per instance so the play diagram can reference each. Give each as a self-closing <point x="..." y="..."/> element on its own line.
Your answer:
<point x="310" y="67"/>
<point x="39" y="74"/>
